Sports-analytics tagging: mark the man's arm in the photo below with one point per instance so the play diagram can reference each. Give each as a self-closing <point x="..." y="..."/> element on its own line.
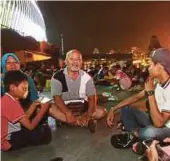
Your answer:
<point x="158" y="118"/>
<point x="129" y="100"/>
<point x="91" y="105"/>
<point x="60" y="104"/>
<point x="91" y="95"/>
<point x="63" y="108"/>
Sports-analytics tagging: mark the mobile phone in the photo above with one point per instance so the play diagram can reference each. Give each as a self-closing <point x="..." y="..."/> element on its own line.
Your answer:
<point x="162" y="143"/>
<point x="147" y="143"/>
<point x="44" y="99"/>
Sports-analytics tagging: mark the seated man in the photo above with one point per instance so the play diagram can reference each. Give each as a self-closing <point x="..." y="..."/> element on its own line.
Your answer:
<point x="71" y="88"/>
<point x="155" y="123"/>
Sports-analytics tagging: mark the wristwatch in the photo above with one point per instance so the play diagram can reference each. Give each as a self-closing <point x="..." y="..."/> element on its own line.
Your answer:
<point x="150" y="93"/>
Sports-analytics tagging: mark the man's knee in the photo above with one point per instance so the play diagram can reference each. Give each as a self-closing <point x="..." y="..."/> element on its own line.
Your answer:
<point x="100" y="112"/>
<point x="124" y="111"/>
<point x="148" y="132"/>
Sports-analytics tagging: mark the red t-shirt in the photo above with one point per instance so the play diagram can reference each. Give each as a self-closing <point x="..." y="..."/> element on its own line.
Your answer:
<point x="120" y="75"/>
<point x="124" y="80"/>
<point x="11" y="113"/>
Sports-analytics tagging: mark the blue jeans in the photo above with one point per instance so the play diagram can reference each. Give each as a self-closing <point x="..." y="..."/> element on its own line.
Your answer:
<point x="133" y="119"/>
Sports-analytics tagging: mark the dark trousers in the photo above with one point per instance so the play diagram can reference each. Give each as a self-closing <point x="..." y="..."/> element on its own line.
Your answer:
<point x="24" y="138"/>
<point x="133" y="118"/>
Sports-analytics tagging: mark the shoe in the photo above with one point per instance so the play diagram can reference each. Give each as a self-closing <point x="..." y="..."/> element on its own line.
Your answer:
<point x="115" y="85"/>
<point x="123" y="141"/>
<point x="113" y="98"/>
<point x="106" y="94"/>
<point x="118" y="89"/>
<point x="92" y="125"/>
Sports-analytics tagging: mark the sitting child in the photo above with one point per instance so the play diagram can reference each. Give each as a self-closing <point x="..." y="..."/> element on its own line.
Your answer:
<point x="13" y="116"/>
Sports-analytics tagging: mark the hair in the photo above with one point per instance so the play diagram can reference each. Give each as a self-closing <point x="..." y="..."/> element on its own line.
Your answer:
<point x="72" y="51"/>
<point x="13" y="77"/>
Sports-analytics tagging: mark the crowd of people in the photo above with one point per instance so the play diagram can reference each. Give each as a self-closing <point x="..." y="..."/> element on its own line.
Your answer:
<point x="24" y="116"/>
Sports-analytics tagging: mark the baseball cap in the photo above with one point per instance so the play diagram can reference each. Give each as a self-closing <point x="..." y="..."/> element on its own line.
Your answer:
<point x="162" y="56"/>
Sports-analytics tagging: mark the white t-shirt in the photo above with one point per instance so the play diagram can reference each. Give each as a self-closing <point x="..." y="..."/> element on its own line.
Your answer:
<point x="162" y="95"/>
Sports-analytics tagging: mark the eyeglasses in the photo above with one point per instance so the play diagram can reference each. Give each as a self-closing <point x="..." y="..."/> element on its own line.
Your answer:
<point x="12" y="63"/>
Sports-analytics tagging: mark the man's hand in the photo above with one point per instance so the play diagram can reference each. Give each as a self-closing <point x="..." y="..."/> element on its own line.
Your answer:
<point x="90" y="114"/>
<point x="152" y="152"/>
<point x="149" y="85"/>
<point x="71" y="118"/>
<point x="110" y="119"/>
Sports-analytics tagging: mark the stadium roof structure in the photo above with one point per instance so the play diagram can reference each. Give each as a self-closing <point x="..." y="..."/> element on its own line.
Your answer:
<point x="23" y="16"/>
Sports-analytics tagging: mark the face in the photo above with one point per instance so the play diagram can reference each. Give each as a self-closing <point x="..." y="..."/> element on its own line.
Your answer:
<point x="20" y="91"/>
<point x="74" y="61"/>
<point x="12" y="64"/>
<point x="154" y="70"/>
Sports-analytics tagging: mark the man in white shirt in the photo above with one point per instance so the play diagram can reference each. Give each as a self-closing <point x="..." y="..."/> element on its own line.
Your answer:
<point x="155" y="123"/>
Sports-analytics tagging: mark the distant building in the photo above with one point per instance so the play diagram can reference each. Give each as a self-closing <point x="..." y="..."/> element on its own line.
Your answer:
<point x="24" y="17"/>
<point x="96" y="51"/>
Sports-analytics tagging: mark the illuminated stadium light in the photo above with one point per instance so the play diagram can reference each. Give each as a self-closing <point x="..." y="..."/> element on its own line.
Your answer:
<point x="23" y="16"/>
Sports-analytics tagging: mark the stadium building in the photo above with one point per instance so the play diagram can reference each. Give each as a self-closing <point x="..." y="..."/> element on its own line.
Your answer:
<point x="24" y="17"/>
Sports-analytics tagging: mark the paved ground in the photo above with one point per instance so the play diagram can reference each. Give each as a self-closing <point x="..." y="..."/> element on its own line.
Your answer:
<point x="77" y="144"/>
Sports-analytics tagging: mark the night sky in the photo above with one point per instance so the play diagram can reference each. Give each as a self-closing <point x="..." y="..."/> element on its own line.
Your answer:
<point x="106" y="25"/>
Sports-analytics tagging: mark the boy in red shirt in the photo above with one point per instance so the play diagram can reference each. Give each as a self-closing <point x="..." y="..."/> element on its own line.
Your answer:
<point x="13" y="116"/>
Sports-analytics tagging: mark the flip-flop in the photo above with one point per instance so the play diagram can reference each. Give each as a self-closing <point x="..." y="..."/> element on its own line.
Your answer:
<point x="123" y="141"/>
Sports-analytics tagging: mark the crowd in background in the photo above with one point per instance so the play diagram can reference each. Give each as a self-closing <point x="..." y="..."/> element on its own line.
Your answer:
<point x="126" y="77"/>
<point x="102" y="75"/>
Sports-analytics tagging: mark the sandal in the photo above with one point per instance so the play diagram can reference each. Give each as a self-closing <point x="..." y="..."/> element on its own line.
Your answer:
<point x="123" y="141"/>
